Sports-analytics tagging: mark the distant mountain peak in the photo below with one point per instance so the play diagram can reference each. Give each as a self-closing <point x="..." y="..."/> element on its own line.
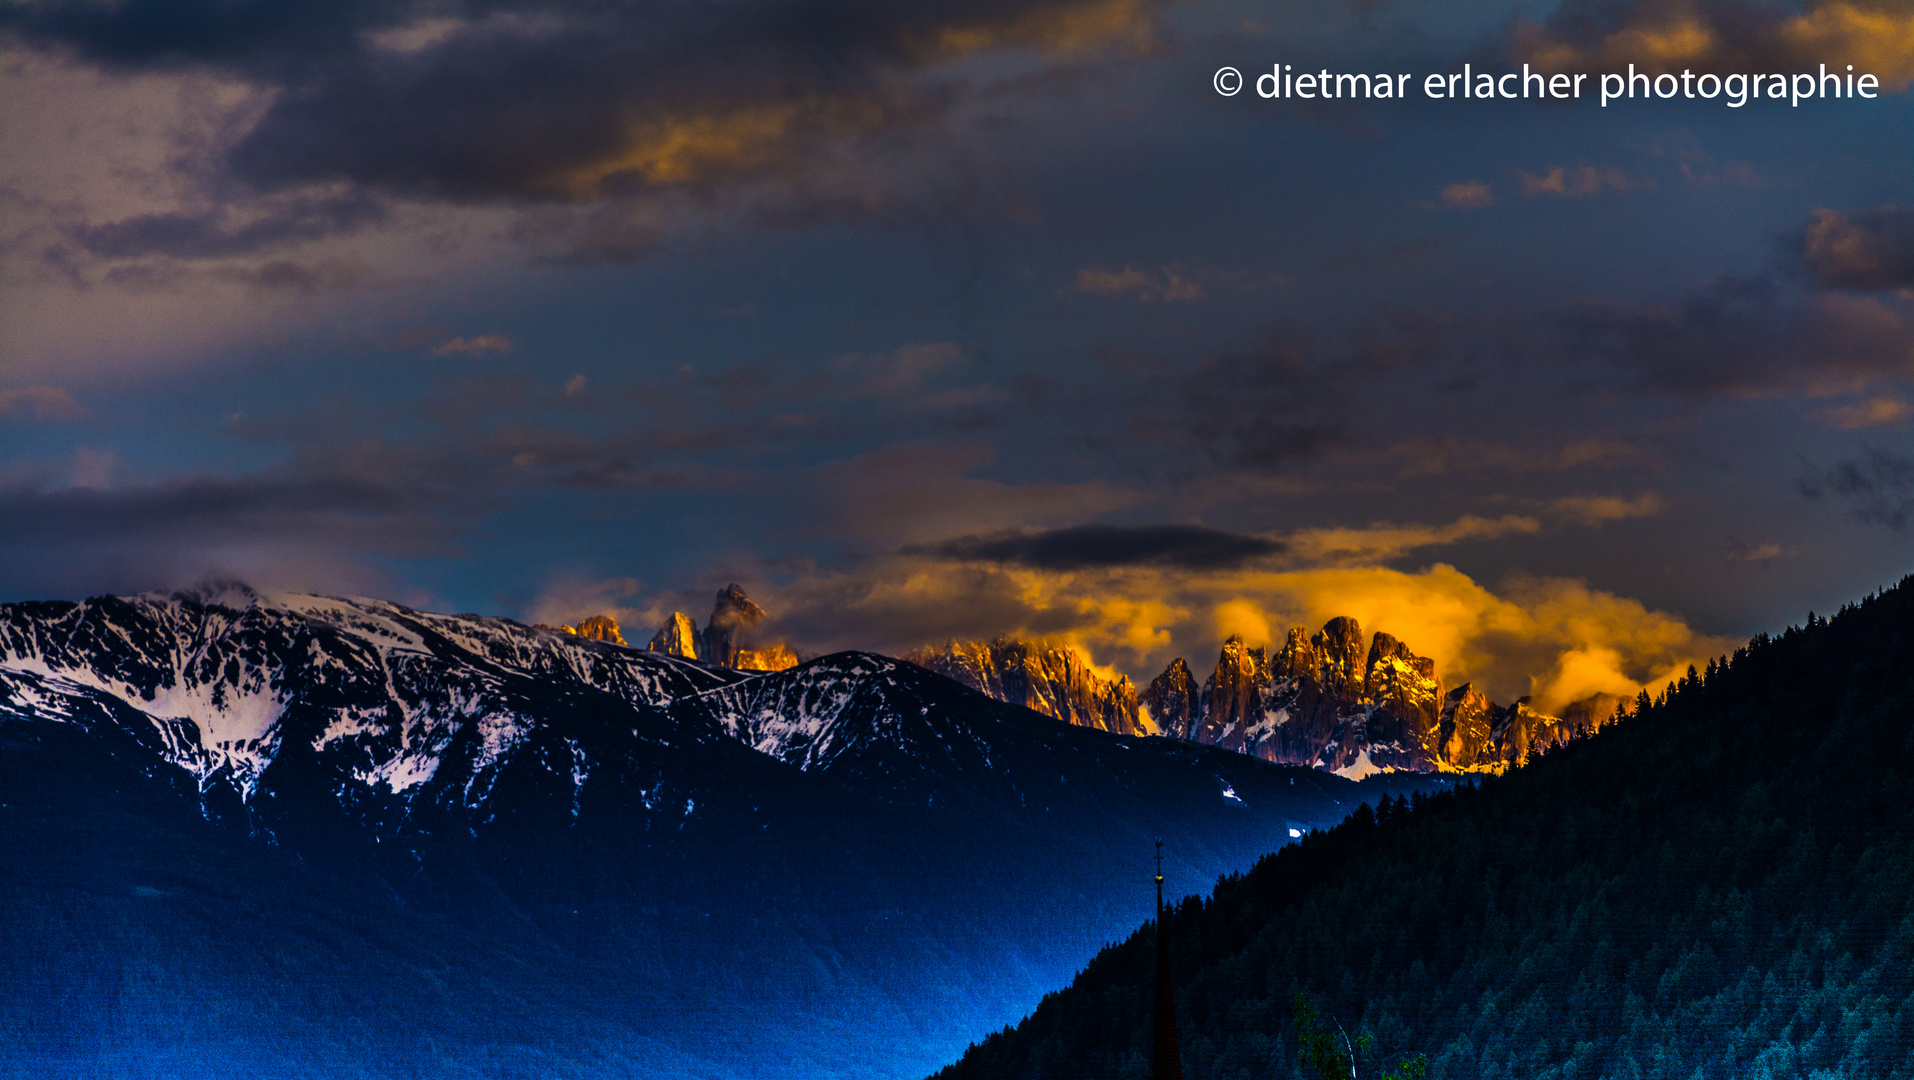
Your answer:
<point x="677" y="637"/>
<point x="601" y="628"/>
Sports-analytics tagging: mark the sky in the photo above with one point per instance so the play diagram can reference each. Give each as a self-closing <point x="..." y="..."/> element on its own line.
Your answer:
<point x="952" y="318"/>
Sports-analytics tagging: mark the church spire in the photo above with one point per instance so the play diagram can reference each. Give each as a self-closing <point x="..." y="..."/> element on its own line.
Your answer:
<point x="1166" y="1063"/>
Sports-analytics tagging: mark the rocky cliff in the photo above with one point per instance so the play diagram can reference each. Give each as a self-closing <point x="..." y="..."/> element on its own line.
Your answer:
<point x="600" y="628"/>
<point x="1047" y="677"/>
<point x="677" y="637"/>
<point x="1170" y="704"/>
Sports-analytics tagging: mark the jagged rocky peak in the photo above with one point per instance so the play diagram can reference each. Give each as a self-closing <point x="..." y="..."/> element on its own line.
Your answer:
<point x="1404" y="683"/>
<point x="1340" y="652"/>
<point x="1467" y="726"/>
<point x="733" y="616"/>
<point x="1326" y="700"/>
<point x="1172" y="702"/>
<point x="1298" y="657"/>
<point x="1330" y="700"/>
<point x="601" y="627"/>
<point x="1233" y="694"/>
<point x="1049" y="677"/>
<point x="677" y="637"/>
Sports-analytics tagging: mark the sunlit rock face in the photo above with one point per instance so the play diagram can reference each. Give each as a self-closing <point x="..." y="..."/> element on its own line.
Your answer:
<point x="677" y="637"/>
<point x="776" y="658"/>
<point x="1405" y="685"/>
<point x="1171" y="702"/>
<point x="600" y="628"/>
<point x="1323" y="701"/>
<point x="1048" y="678"/>
<point x="1467" y="729"/>
<point x="1233" y="697"/>
<point x="1339" y="647"/>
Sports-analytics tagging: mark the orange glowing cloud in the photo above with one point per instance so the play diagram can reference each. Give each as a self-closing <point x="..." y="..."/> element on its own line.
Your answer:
<point x="727" y="140"/>
<point x="1468" y="196"/>
<point x="1586" y="180"/>
<point x="1056" y="29"/>
<point x="1670" y="36"/>
<point x="686" y="149"/>
<point x="1555" y="640"/>
<point x="1878" y="40"/>
<point x="1382" y="542"/>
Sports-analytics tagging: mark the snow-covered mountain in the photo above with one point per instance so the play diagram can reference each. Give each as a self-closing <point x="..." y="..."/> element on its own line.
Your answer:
<point x="228" y="678"/>
<point x="854" y="845"/>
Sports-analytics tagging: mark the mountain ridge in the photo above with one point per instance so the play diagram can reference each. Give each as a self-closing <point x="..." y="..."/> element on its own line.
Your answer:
<point x="1322" y="700"/>
<point x="852" y="830"/>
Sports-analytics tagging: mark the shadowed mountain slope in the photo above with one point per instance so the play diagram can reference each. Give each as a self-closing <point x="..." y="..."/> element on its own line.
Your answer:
<point x="294" y="835"/>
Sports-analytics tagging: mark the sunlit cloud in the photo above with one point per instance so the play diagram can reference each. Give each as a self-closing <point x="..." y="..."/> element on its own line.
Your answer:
<point x="1868" y="250"/>
<point x="1670" y="35"/>
<point x="1167" y="284"/>
<point x="1468" y="195"/>
<point x="473" y="346"/>
<point x="1873" y="412"/>
<point x="1382" y="542"/>
<point x="1581" y="181"/>
<point x="1597" y="509"/>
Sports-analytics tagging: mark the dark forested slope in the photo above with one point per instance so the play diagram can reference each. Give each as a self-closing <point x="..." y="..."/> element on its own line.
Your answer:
<point x="1722" y="885"/>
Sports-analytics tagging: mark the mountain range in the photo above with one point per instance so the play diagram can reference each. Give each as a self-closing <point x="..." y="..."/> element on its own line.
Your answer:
<point x="339" y="837"/>
<point x="1323" y="700"/>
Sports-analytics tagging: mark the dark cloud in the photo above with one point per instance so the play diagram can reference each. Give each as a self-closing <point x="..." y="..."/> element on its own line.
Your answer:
<point x="213" y="234"/>
<point x="566" y="101"/>
<point x="309" y="532"/>
<point x="1192" y="547"/>
<point x="1747" y="336"/>
<point x="1878" y="485"/>
<point x="243" y="34"/>
<point x="1268" y="406"/>
<point x="1866" y="251"/>
<point x="199" y="506"/>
